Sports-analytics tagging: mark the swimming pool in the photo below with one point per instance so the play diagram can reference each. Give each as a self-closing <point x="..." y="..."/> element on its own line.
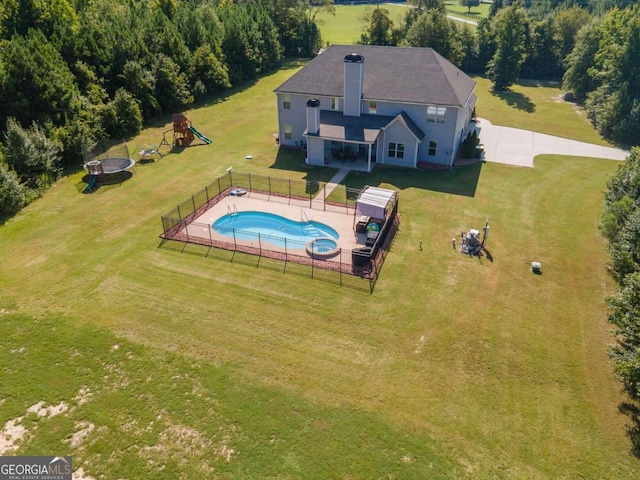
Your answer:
<point x="271" y="228"/>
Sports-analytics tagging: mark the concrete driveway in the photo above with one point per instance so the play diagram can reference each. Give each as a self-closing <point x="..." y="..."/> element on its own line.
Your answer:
<point x="513" y="146"/>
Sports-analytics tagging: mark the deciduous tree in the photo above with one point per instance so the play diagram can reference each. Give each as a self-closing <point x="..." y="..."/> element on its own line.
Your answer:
<point x="433" y="29"/>
<point x="380" y="28"/>
<point x="12" y="195"/>
<point x="624" y="313"/>
<point x="33" y="156"/>
<point x="511" y="25"/>
<point x="469" y="4"/>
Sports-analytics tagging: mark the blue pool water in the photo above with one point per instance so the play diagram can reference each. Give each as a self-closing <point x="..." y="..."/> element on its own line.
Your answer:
<point x="271" y="228"/>
<point x="323" y="246"/>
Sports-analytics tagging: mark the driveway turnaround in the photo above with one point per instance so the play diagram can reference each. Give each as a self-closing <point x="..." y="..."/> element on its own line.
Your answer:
<point x="514" y="146"/>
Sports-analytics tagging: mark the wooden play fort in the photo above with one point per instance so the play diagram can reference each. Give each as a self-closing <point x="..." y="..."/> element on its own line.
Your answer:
<point x="184" y="133"/>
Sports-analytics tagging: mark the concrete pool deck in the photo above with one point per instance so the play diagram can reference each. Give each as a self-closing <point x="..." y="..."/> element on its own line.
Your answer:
<point x="296" y="210"/>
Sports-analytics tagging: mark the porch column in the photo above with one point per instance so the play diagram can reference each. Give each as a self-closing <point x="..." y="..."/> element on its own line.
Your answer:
<point x="369" y="159"/>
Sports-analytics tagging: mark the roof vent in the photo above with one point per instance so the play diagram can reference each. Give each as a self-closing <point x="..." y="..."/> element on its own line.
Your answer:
<point x="354" y="58"/>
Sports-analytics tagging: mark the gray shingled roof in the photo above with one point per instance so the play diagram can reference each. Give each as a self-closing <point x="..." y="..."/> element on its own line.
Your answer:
<point x="392" y="74"/>
<point x="364" y="128"/>
<point x="415" y="129"/>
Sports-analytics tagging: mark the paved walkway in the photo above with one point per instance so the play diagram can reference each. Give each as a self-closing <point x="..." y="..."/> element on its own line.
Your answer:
<point x="514" y="146"/>
<point x="332" y="184"/>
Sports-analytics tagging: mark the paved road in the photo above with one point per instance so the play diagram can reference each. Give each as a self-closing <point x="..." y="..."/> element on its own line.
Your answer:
<point x="462" y="20"/>
<point x="514" y="146"/>
<point x="452" y="17"/>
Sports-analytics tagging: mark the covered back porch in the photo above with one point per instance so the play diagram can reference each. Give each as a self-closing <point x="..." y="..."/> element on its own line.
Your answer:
<point x="346" y="141"/>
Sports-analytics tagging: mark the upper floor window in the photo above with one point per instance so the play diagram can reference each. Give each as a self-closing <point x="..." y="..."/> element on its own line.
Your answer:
<point x="396" y="150"/>
<point x="373" y="107"/>
<point x="334" y="103"/>
<point x="436" y="114"/>
<point x="286" y="101"/>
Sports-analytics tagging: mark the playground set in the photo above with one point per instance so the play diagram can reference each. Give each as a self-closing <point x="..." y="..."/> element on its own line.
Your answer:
<point x="184" y="133"/>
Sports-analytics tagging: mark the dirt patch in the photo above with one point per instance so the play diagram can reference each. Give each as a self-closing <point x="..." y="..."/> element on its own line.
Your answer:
<point x="11" y="434"/>
<point x="83" y="429"/>
<point x="13" y="430"/>
<point x="50" y="411"/>
<point x="80" y="475"/>
<point x="83" y="396"/>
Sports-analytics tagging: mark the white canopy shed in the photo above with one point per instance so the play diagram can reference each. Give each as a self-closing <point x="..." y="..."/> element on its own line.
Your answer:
<point x="373" y="202"/>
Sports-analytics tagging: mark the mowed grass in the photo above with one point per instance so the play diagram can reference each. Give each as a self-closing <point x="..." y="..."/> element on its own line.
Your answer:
<point x="453" y="7"/>
<point x="535" y="105"/>
<point x="350" y="21"/>
<point x="453" y="368"/>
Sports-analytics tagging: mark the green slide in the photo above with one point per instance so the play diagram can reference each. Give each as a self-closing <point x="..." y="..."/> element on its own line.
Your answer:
<point x="199" y="135"/>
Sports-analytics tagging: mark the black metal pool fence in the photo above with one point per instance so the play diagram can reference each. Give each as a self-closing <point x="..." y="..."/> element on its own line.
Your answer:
<point x="357" y="268"/>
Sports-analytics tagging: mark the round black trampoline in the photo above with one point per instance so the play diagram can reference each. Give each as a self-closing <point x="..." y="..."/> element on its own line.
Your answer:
<point x="109" y="166"/>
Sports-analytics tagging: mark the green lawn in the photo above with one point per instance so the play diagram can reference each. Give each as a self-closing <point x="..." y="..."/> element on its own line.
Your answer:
<point x="453" y="7"/>
<point x="178" y="365"/>
<point x="349" y="22"/>
<point x="536" y="106"/>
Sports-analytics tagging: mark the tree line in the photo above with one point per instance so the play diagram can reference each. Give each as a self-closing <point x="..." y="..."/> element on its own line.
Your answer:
<point x="76" y="71"/>
<point x="620" y="225"/>
<point x="593" y="47"/>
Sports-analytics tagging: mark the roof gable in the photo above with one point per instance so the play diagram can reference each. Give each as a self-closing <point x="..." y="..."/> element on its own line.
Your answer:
<point x="391" y="74"/>
<point x="409" y="124"/>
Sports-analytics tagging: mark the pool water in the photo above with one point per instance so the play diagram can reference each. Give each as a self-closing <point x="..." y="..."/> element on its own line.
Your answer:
<point x="323" y="245"/>
<point x="271" y="228"/>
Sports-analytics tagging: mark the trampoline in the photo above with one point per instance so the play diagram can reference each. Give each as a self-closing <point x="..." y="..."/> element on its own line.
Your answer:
<point x="109" y="166"/>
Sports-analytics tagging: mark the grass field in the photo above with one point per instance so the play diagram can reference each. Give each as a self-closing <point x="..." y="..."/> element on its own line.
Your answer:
<point x="165" y="364"/>
<point x="453" y="7"/>
<point x="350" y="21"/>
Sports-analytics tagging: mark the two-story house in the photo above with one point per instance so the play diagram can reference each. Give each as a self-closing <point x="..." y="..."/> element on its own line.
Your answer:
<point x="385" y="105"/>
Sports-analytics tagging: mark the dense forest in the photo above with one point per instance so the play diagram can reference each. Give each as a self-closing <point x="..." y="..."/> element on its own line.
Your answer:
<point x="76" y="71"/>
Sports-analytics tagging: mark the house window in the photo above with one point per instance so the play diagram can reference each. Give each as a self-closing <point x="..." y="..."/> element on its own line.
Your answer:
<point x="288" y="132"/>
<point x="396" y="150"/>
<point x="373" y="107"/>
<point x="432" y="148"/>
<point x="286" y="101"/>
<point x="334" y="103"/>
<point x="436" y="114"/>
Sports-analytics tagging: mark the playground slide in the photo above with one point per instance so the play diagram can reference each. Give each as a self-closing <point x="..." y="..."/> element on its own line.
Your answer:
<point x="199" y="135"/>
<point x="92" y="183"/>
